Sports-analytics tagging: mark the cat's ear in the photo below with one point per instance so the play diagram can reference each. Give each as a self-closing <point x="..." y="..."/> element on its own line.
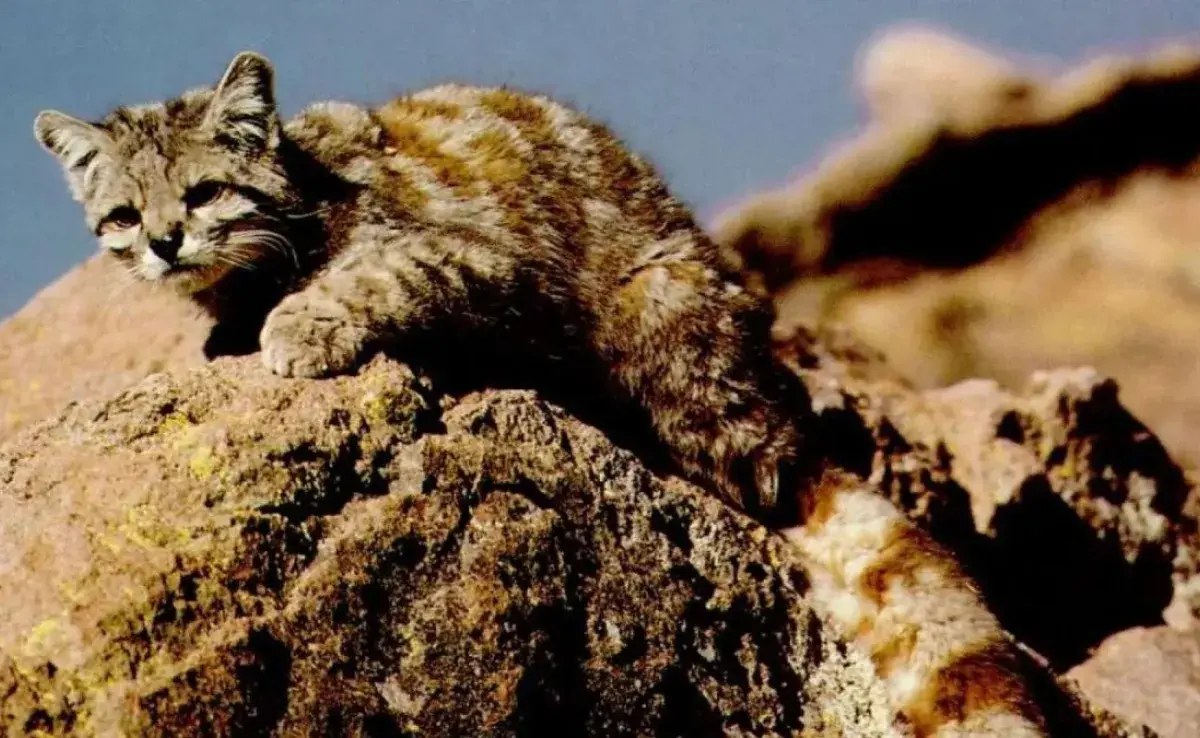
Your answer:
<point x="77" y="144"/>
<point x="242" y="112"/>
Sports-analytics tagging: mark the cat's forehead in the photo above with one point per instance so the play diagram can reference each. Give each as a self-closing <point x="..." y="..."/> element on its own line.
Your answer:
<point x="150" y="147"/>
<point x="155" y="139"/>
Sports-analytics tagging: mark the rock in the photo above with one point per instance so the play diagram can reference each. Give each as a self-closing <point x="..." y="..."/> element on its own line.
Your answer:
<point x="914" y="71"/>
<point x="221" y="551"/>
<point x="1148" y="675"/>
<point x="994" y="219"/>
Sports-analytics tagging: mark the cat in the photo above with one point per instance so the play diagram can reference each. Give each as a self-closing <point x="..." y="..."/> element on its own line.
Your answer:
<point x="345" y="231"/>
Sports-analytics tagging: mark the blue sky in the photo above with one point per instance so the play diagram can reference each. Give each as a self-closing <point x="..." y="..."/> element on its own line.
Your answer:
<point x="723" y="95"/>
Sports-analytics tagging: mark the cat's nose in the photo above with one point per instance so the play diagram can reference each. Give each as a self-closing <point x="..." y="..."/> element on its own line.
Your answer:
<point x="167" y="247"/>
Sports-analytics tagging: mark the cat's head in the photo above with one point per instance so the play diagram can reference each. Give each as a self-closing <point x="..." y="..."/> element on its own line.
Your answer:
<point x="188" y="190"/>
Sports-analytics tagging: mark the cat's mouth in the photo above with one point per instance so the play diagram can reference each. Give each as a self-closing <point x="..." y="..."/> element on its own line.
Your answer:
<point x="179" y="272"/>
<point x="186" y="268"/>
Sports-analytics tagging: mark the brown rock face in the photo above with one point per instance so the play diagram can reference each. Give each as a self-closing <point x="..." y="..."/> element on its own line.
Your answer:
<point x="223" y="552"/>
<point x="1067" y="509"/>
<point x="996" y="220"/>
<point x="1064" y="507"/>
<point x="220" y="551"/>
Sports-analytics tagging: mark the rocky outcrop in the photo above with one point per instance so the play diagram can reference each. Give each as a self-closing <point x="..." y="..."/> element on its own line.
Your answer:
<point x="996" y="219"/>
<point x="1067" y="510"/>
<point x="222" y="551"/>
<point x="1056" y="493"/>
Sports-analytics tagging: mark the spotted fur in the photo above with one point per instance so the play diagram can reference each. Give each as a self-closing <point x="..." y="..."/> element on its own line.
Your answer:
<point x="462" y="210"/>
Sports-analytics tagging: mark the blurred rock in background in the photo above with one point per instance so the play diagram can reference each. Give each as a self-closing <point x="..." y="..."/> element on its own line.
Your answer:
<point x="995" y="218"/>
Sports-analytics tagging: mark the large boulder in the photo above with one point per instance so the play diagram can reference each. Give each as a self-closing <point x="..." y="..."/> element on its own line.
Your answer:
<point x="221" y="551"/>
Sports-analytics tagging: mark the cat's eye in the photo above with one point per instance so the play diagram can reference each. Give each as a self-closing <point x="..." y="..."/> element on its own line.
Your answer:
<point x="119" y="219"/>
<point x="204" y="193"/>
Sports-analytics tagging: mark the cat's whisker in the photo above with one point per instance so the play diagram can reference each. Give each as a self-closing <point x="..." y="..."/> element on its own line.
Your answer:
<point x="313" y="214"/>
<point x="243" y="255"/>
<point x="285" y="246"/>
<point x="237" y="258"/>
<point x="237" y="264"/>
<point x="268" y="239"/>
<point x="121" y="286"/>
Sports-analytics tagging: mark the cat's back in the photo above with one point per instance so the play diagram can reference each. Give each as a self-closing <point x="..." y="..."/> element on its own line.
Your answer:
<point x="519" y="159"/>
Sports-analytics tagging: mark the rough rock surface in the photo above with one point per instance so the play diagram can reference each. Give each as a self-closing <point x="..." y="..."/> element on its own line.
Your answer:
<point x="221" y="550"/>
<point x="1068" y="509"/>
<point x="994" y="219"/>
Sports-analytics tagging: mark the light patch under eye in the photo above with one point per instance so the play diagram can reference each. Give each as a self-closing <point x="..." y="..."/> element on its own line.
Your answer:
<point x="120" y="228"/>
<point x="119" y="239"/>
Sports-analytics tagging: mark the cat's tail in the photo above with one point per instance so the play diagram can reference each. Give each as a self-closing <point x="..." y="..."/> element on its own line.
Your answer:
<point x="949" y="668"/>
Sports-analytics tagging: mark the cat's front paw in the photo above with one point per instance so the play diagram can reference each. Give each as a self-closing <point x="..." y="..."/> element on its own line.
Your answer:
<point x="310" y="336"/>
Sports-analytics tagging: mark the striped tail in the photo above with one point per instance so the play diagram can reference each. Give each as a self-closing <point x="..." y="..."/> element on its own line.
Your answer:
<point x="949" y="668"/>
